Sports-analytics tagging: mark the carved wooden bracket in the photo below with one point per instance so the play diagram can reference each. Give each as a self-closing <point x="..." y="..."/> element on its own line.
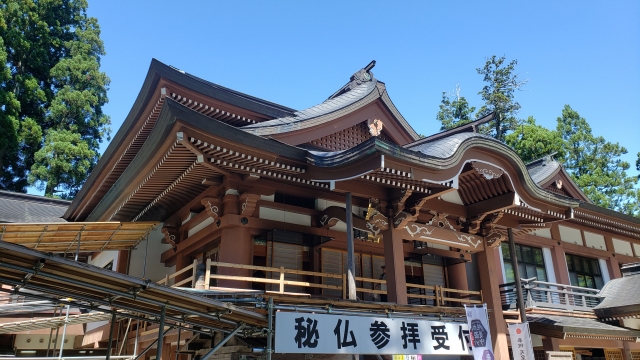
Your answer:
<point x="399" y="199"/>
<point x="442" y="235"/>
<point x="488" y="171"/>
<point x="495" y="236"/>
<point x="249" y="202"/>
<point x="403" y="217"/>
<point x="171" y="235"/>
<point x="331" y="215"/>
<point x="213" y="207"/>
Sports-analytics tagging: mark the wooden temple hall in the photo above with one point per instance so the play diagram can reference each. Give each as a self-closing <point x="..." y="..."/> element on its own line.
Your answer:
<point x="211" y="210"/>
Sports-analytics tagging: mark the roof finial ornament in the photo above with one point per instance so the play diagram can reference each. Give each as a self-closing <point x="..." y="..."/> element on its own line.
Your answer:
<point x="363" y="75"/>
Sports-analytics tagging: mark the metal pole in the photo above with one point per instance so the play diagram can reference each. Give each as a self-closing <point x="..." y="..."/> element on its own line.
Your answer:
<point x="124" y="341"/>
<point x="111" y="328"/>
<point x="144" y="270"/>
<point x="351" y="266"/>
<point x="270" y="329"/>
<point x="178" y="345"/>
<point x="222" y="342"/>
<point x="64" y="332"/>
<point x="516" y="275"/>
<point x="160" y="332"/>
<point x="144" y="351"/>
<point x="55" y="310"/>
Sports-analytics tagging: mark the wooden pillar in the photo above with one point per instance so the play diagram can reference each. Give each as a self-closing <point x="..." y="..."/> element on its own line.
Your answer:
<point x="550" y="344"/>
<point x="612" y="262"/>
<point x="236" y="247"/>
<point x="457" y="276"/>
<point x="490" y="280"/>
<point x="560" y="264"/>
<point x="394" y="266"/>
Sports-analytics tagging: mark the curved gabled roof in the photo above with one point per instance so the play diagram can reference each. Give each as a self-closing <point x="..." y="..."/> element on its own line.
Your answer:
<point x="303" y="119"/>
<point x="543" y="169"/>
<point x="446" y="147"/>
<point x="363" y="89"/>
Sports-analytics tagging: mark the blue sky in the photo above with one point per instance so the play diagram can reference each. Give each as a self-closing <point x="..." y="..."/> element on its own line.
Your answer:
<point x="582" y="53"/>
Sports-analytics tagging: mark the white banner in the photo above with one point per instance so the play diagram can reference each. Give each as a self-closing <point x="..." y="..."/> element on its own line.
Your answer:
<point x="521" y="341"/>
<point x="306" y="333"/>
<point x="479" y="332"/>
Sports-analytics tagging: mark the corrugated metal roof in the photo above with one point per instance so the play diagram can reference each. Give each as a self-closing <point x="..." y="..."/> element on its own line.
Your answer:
<point x="25" y="208"/>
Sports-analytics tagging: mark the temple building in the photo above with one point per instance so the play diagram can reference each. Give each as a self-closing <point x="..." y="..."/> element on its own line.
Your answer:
<point x="211" y="210"/>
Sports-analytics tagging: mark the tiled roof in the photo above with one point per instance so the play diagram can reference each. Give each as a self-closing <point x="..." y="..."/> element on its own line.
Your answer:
<point x="575" y="325"/>
<point x="620" y="297"/>
<point x="304" y="119"/>
<point x="542" y="169"/>
<point x="25" y="208"/>
<point x="447" y="146"/>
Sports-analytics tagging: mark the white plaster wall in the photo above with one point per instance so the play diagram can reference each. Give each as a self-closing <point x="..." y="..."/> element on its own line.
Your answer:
<point x="452" y="197"/>
<point x="604" y="269"/>
<point x="103" y="258"/>
<point x="570" y="235"/>
<point x="322" y="204"/>
<point x="284" y="216"/>
<point x="548" y="265"/>
<point x="622" y="247"/>
<point x="545" y="233"/>
<point x="155" y="270"/>
<point x="595" y="241"/>
<point x="202" y="225"/>
<point x="636" y="247"/>
<point x="632" y="323"/>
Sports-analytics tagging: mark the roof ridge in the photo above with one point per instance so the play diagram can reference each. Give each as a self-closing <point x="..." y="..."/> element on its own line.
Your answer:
<point x="458" y="129"/>
<point x="35" y="198"/>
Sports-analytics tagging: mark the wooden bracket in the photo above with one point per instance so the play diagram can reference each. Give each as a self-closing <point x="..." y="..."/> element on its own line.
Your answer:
<point x="212" y="206"/>
<point x="171" y="236"/>
<point x="249" y="202"/>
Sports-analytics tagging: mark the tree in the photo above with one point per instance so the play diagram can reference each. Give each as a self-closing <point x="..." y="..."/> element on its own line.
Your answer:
<point x="53" y="53"/>
<point x="595" y="165"/>
<point x="499" y="95"/>
<point x="454" y="113"/>
<point x="532" y="141"/>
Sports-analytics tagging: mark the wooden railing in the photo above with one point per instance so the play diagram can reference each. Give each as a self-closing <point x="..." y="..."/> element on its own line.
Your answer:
<point x="441" y="296"/>
<point x="550" y="295"/>
<point x="191" y="279"/>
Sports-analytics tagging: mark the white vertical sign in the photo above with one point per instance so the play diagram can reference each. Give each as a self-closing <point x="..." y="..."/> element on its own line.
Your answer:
<point x="479" y="333"/>
<point x="521" y="341"/>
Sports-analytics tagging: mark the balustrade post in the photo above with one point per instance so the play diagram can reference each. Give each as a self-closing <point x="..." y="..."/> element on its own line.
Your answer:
<point x="166" y="280"/>
<point x="344" y="286"/>
<point x="207" y="274"/>
<point x="566" y="295"/>
<point x="281" y="291"/>
<point x="193" y="273"/>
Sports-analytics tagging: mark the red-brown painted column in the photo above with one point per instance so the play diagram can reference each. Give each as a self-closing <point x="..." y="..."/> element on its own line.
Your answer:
<point x="394" y="266"/>
<point x="612" y="263"/>
<point x="550" y="344"/>
<point x="457" y="276"/>
<point x="236" y="247"/>
<point x="560" y="264"/>
<point x="490" y="279"/>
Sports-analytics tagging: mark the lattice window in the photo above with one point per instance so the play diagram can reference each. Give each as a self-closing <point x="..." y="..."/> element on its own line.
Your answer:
<point x="345" y="139"/>
<point x="539" y="355"/>
<point x="613" y="354"/>
<point x="635" y="355"/>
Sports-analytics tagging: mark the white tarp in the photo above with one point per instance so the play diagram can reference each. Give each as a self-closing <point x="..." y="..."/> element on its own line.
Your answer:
<point x="521" y="341"/>
<point x="306" y="333"/>
<point x="479" y="332"/>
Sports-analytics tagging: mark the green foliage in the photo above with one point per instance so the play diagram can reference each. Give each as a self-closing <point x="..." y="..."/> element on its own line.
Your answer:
<point x="454" y="113"/>
<point x="499" y="95"/>
<point x="532" y="141"/>
<point x="53" y="52"/>
<point x="595" y="165"/>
